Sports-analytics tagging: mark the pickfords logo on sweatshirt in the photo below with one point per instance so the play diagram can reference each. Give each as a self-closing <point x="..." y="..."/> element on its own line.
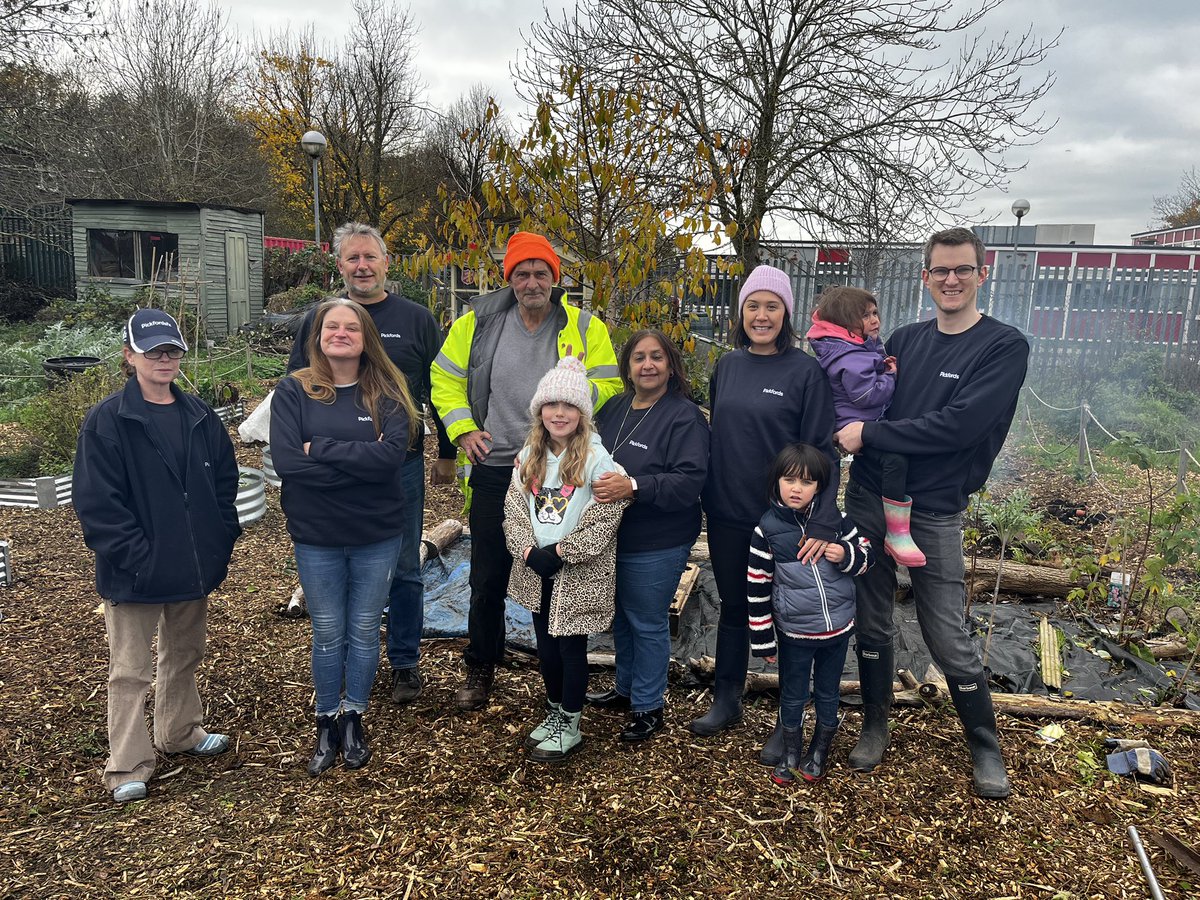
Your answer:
<point x="391" y="334"/>
<point x="639" y="445"/>
<point x="953" y="375"/>
<point x="773" y="392"/>
<point x="365" y="419"/>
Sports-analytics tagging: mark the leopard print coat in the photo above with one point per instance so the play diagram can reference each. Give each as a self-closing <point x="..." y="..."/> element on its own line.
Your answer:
<point x="582" y="600"/>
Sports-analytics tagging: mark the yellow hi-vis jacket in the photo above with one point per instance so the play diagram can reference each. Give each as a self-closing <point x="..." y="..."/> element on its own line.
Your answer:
<point x="461" y="375"/>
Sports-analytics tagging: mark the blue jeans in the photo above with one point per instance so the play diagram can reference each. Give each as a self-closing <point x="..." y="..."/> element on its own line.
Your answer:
<point x="345" y="589"/>
<point x="938" y="586"/>
<point x="406" y="601"/>
<point x="646" y="585"/>
<point x="804" y="661"/>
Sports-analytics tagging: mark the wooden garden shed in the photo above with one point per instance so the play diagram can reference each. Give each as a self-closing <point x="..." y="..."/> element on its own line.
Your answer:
<point x="212" y="254"/>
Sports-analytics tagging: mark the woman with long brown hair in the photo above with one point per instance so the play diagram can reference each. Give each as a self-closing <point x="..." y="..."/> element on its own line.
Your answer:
<point x="340" y="429"/>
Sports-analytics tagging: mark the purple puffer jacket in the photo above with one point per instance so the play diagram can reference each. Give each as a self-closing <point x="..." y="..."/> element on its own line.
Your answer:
<point x="862" y="388"/>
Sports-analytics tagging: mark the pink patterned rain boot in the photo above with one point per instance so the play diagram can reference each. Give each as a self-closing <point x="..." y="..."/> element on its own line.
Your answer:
<point x="898" y="541"/>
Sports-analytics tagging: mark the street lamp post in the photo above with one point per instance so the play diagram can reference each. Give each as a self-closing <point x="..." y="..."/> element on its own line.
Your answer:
<point x="313" y="143"/>
<point x="1020" y="209"/>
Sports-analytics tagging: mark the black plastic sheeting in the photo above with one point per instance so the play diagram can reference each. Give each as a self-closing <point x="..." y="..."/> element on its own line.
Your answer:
<point x="1094" y="668"/>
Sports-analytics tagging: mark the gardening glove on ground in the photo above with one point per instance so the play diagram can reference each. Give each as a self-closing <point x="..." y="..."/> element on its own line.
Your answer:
<point x="1144" y="762"/>
<point x="544" y="560"/>
<point x="1122" y="744"/>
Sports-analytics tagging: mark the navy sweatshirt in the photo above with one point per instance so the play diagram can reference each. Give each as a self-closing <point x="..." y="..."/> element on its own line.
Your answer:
<point x="411" y="339"/>
<point x="666" y="450"/>
<point x="955" y="398"/>
<point x="759" y="405"/>
<point x="345" y="492"/>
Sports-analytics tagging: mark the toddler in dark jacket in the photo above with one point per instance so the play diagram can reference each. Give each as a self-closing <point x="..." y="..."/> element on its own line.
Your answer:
<point x="845" y="339"/>
<point x="803" y="613"/>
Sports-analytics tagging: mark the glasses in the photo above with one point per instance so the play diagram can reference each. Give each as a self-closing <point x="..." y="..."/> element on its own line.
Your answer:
<point x="941" y="273"/>
<point x="168" y="352"/>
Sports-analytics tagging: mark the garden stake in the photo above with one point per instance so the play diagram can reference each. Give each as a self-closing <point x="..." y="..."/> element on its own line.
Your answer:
<point x="1155" y="892"/>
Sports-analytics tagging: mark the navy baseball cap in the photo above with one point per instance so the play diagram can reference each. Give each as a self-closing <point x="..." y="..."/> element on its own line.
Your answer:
<point x="150" y="328"/>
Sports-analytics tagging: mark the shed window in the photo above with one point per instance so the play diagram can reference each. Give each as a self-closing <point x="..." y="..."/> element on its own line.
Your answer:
<point x="138" y="255"/>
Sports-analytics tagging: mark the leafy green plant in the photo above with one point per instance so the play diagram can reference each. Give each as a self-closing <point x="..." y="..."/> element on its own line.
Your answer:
<point x="1008" y="518"/>
<point x="93" y="307"/>
<point x="54" y="417"/>
<point x="21" y="374"/>
<point x="284" y="269"/>
<point x="295" y="298"/>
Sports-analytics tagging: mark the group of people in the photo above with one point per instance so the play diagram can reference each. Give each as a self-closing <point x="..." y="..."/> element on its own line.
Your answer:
<point x="587" y="479"/>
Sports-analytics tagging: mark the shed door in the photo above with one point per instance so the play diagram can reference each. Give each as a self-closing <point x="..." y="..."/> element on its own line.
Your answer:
<point x="237" y="279"/>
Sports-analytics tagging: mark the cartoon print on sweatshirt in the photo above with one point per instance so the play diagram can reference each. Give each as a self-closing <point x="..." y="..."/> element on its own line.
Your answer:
<point x="550" y="504"/>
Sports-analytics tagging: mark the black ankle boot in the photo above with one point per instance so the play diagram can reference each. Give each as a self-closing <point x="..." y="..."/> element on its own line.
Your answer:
<point x="973" y="703"/>
<point x="876" y="666"/>
<point x="772" y="750"/>
<point x="789" y="761"/>
<point x="329" y="740"/>
<point x="733" y="652"/>
<point x="643" y="726"/>
<point x="355" y="752"/>
<point x="815" y="763"/>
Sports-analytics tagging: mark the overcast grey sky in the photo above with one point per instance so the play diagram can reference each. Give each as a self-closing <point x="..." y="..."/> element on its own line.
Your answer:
<point x="1127" y="96"/>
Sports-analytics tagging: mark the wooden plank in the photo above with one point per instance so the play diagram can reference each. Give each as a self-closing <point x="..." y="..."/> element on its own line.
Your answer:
<point x="686" y="582"/>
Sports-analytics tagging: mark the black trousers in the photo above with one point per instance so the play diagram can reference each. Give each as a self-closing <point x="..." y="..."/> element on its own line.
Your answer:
<point x="562" y="660"/>
<point x="491" y="565"/>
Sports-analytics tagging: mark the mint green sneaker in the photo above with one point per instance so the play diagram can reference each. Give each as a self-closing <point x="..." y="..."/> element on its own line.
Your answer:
<point x="547" y="726"/>
<point x="560" y="743"/>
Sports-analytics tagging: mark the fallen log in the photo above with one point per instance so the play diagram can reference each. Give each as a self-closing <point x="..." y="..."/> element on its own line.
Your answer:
<point x="435" y="541"/>
<point x="1018" y="578"/>
<point x="1030" y="706"/>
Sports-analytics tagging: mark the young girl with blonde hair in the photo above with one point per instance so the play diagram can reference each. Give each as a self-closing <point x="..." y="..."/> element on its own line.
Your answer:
<point x="568" y="544"/>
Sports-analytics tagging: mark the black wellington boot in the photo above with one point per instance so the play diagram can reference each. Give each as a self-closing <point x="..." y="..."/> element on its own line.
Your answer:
<point x="789" y="758"/>
<point x="772" y="750"/>
<point x="816" y="761"/>
<point x="973" y="702"/>
<point x="355" y="752"/>
<point x="329" y="741"/>
<point x="876" y="666"/>
<point x="733" y="653"/>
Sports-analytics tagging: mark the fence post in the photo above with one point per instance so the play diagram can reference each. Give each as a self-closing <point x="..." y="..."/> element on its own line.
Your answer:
<point x="249" y="363"/>
<point x="1084" y="413"/>
<point x="1185" y="447"/>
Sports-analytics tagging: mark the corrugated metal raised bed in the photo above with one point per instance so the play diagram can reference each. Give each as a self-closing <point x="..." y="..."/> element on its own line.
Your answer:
<point x="251" y="496"/>
<point x="6" y="576"/>
<point x="273" y="478"/>
<point x="46" y="492"/>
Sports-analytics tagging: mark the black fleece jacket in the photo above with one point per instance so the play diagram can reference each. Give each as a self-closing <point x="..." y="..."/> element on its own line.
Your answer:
<point x="160" y="535"/>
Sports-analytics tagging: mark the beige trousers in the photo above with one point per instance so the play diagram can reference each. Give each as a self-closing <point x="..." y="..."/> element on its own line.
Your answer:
<point x="182" y="629"/>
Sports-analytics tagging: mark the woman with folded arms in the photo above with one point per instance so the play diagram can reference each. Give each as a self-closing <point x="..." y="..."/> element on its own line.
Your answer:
<point x="340" y="429"/>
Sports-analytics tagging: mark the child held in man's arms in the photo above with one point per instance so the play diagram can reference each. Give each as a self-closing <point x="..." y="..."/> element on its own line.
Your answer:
<point x="803" y="613"/>
<point x="845" y="339"/>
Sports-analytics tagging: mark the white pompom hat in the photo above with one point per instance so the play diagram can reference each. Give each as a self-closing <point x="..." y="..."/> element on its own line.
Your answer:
<point x="566" y="382"/>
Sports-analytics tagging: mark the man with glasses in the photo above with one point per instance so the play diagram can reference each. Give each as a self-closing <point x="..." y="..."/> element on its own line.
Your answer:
<point x="958" y="376"/>
<point x="483" y="381"/>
